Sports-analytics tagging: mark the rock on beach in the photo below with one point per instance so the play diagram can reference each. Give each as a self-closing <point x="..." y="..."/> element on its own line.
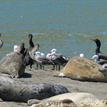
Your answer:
<point x="84" y="69"/>
<point x="13" y="90"/>
<point x="12" y="64"/>
<point x="72" y="100"/>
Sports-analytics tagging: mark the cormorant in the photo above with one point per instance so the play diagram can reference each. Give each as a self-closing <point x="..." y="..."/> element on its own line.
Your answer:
<point x="31" y="44"/>
<point x="98" y="46"/>
<point x="22" y="49"/>
<point x="28" y="60"/>
<point x="99" y="57"/>
<point x="1" y="42"/>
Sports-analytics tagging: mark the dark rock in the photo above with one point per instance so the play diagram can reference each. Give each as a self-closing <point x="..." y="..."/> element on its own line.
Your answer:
<point x="83" y="69"/>
<point x="12" y="90"/>
<point x="12" y="64"/>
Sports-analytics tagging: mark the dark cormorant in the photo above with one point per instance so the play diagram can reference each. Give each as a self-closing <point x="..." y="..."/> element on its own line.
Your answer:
<point x="22" y="49"/>
<point x="58" y="61"/>
<point x="1" y="42"/>
<point x="31" y="44"/>
<point x="41" y="60"/>
<point x="28" y="60"/>
<point x="98" y="46"/>
<point x="101" y="58"/>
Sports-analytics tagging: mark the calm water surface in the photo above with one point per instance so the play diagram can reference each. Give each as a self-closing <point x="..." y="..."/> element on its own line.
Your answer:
<point x="67" y="25"/>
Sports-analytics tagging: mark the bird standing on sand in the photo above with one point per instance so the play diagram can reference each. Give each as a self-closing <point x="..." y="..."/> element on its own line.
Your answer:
<point x="28" y="59"/>
<point x="57" y="59"/>
<point x="31" y="46"/>
<point x="42" y="60"/>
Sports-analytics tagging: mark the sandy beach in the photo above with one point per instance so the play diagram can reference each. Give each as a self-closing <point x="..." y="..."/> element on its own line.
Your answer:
<point x="48" y="76"/>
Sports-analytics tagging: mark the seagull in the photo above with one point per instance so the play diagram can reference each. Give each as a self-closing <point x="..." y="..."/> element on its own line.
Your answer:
<point x="41" y="59"/>
<point x="56" y="58"/>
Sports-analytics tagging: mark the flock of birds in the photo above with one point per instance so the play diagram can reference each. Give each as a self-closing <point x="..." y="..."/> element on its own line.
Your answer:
<point x="52" y="58"/>
<point x="32" y="55"/>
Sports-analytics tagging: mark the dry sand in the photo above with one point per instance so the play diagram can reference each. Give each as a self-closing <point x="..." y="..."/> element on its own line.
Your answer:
<point x="99" y="89"/>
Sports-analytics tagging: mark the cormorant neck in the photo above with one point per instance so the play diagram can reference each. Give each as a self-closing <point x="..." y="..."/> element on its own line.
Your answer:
<point x="31" y="43"/>
<point x="97" y="51"/>
<point x="98" y="46"/>
<point x="98" y="43"/>
<point x="22" y="48"/>
<point x="1" y="43"/>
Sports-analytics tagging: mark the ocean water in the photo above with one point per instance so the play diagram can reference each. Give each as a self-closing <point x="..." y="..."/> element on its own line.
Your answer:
<point x="67" y="25"/>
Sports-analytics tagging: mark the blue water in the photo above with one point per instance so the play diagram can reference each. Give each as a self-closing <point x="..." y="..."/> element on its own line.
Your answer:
<point x="67" y="25"/>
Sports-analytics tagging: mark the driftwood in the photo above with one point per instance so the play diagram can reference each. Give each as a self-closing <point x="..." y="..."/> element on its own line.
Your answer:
<point x="13" y="90"/>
